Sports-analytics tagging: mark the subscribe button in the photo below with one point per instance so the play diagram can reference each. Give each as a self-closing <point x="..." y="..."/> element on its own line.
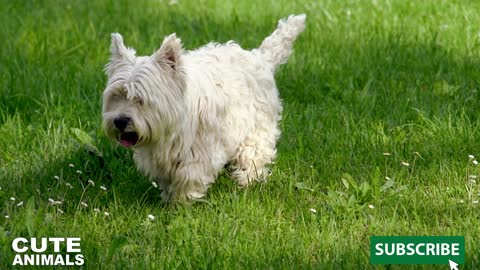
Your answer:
<point x="417" y="250"/>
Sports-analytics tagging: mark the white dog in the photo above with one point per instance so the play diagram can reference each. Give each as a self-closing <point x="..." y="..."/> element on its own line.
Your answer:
<point x="186" y="114"/>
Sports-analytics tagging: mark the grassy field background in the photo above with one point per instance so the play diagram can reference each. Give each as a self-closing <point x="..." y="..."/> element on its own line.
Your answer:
<point x="366" y="78"/>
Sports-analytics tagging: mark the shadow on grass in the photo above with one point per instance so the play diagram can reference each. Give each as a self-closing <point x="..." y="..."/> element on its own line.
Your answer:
<point x="378" y="78"/>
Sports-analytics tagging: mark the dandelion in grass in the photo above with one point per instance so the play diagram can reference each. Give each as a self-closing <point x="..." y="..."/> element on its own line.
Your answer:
<point x="312" y="210"/>
<point x="406" y="164"/>
<point x="90" y="182"/>
<point x="79" y="172"/>
<point x="56" y="177"/>
<point x="154" y="185"/>
<point x="20" y="204"/>
<point x="151" y="217"/>
<point x="371" y="206"/>
<point x="103" y="188"/>
<point x="69" y="185"/>
<point x="12" y="199"/>
<point x="84" y="204"/>
<point x="71" y="165"/>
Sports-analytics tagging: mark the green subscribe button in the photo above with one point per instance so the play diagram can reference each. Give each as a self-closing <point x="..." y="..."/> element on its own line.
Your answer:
<point x="417" y="249"/>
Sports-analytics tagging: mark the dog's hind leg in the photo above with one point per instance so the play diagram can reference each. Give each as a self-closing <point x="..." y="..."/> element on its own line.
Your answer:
<point x="253" y="155"/>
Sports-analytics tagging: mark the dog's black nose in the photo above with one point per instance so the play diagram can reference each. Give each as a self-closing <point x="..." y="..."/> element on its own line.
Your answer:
<point x="121" y="122"/>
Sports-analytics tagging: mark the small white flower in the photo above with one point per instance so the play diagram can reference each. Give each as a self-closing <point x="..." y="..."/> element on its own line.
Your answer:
<point x="312" y="210"/>
<point x="60" y="211"/>
<point x="387" y="154"/>
<point x="79" y="172"/>
<point x="471" y="156"/>
<point x="84" y="204"/>
<point x="96" y="210"/>
<point x="472" y="176"/>
<point x="371" y="206"/>
<point x="90" y="181"/>
<point x="69" y="185"/>
<point x="475" y="202"/>
<point x="7" y="216"/>
<point x="52" y="201"/>
<point x="475" y="162"/>
<point x="154" y="185"/>
<point x="103" y="188"/>
<point x="12" y="199"/>
<point x="20" y="204"/>
<point x="71" y="165"/>
<point x="151" y="217"/>
<point x="106" y="214"/>
<point x="387" y="178"/>
<point x="406" y="164"/>
<point x="57" y="202"/>
<point x="473" y="181"/>
<point x="56" y="177"/>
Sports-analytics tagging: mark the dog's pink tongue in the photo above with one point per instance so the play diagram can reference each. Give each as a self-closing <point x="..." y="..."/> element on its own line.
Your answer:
<point x="125" y="143"/>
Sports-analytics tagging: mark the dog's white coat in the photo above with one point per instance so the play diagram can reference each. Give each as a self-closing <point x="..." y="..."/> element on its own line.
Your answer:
<point x="197" y="111"/>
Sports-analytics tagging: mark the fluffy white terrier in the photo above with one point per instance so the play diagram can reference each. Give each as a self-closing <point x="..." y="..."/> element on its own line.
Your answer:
<point x="186" y="114"/>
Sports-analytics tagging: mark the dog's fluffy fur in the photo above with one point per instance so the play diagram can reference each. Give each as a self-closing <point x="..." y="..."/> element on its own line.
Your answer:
<point x="186" y="114"/>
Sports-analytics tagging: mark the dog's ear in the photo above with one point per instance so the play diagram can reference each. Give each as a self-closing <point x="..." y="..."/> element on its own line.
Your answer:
<point x="118" y="50"/>
<point x="119" y="54"/>
<point x="170" y="52"/>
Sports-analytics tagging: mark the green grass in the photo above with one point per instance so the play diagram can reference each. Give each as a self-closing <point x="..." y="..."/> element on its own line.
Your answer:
<point x="367" y="78"/>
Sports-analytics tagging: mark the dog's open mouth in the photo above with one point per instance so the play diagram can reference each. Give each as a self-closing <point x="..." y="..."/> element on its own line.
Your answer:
<point x="128" y="139"/>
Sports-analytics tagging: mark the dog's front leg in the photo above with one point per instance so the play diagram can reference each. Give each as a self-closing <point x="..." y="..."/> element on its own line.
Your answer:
<point x="190" y="182"/>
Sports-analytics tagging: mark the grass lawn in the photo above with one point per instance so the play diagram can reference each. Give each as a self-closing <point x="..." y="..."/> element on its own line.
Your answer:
<point x="373" y="86"/>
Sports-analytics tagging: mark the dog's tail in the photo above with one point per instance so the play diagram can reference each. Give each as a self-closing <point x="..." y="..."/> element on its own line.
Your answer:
<point x="276" y="48"/>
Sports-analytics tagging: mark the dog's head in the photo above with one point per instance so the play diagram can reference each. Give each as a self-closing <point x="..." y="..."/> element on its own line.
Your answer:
<point x="143" y="100"/>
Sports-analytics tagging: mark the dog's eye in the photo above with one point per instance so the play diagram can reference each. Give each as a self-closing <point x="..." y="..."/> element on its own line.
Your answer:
<point x="138" y="100"/>
<point x="117" y="97"/>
